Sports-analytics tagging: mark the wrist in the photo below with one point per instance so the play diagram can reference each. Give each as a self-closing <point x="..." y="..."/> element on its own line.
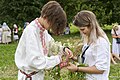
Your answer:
<point x="77" y="69"/>
<point x="73" y="58"/>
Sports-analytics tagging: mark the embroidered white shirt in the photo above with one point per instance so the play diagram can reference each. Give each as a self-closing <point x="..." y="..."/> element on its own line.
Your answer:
<point x="29" y="55"/>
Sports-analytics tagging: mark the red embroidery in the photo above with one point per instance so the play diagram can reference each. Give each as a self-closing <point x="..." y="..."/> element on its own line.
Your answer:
<point x="42" y="36"/>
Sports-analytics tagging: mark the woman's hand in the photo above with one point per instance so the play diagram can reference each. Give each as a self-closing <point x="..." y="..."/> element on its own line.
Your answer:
<point x="72" y="67"/>
<point x="118" y="37"/>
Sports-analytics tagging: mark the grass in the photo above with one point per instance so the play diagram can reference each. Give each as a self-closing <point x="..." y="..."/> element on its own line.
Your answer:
<point x="8" y="69"/>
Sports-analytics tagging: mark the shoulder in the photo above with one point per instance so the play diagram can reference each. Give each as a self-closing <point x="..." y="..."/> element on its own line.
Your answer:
<point x="31" y="27"/>
<point x="119" y="27"/>
<point x="102" y="41"/>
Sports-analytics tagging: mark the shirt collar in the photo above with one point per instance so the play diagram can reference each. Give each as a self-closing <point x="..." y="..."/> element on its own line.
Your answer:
<point x="39" y="25"/>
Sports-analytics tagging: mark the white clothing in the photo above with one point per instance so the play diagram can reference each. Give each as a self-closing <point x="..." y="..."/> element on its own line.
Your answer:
<point x="29" y="55"/>
<point x="115" y="46"/>
<point x="15" y="34"/>
<point x="15" y="37"/>
<point x="67" y="30"/>
<point x="0" y="35"/>
<point x="6" y="35"/>
<point x="98" y="55"/>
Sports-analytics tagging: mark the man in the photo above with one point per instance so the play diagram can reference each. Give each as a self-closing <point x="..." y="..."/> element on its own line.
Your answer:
<point x="31" y="54"/>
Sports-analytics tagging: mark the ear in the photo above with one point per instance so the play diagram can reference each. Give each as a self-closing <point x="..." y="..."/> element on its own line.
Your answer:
<point x="46" y="20"/>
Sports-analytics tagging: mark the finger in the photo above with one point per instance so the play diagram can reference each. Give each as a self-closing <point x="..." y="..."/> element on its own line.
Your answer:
<point x="70" y="63"/>
<point x="69" y="53"/>
<point x="68" y="67"/>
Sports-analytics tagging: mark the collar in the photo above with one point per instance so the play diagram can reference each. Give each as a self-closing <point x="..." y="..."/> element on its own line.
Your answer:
<point x="39" y="25"/>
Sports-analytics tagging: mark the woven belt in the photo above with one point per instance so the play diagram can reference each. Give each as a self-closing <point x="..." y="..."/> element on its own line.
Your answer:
<point x="28" y="75"/>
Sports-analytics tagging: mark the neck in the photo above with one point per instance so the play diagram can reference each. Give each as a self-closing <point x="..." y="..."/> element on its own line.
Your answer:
<point x="41" y="21"/>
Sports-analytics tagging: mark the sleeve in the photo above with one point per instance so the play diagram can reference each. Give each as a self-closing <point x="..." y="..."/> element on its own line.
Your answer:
<point x="103" y="54"/>
<point x="35" y="56"/>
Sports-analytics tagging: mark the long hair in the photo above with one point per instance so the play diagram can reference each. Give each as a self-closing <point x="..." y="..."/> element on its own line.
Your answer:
<point x="88" y="18"/>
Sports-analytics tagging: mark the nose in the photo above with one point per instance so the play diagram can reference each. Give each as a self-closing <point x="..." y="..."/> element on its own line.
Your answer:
<point x="83" y="32"/>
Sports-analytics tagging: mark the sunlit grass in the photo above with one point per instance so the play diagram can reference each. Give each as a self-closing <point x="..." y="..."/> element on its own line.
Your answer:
<point x="8" y="69"/>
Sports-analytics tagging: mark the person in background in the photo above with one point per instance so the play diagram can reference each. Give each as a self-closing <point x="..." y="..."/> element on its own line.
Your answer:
<point x="6" y="35"/>
<point x="26" y="24"/>
<point x="31" y="56"/>
<point x="15" y="33"/>
<point x="67" y="29"/>
<point x="0" y="33"/>
<point x="115" y="46"/>
<point x="96" y="47"/>
<point x="114" y="57"/>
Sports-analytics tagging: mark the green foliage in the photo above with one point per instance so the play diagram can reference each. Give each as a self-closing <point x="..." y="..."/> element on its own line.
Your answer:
<point x="73" y="29"/>
<point x="107" y="27"/>
<point x="19" y="11"/>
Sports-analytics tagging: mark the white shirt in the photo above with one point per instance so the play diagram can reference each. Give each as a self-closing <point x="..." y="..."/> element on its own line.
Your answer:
<point x="115" y="46"/>
<point x="29" y="54"/>
<point x="0" y="35"/>
<point x="117" y="31"/>
<point x="99" y="55"/>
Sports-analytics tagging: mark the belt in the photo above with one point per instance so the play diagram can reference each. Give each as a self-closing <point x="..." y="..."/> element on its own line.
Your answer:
<point x="28" y="75"/>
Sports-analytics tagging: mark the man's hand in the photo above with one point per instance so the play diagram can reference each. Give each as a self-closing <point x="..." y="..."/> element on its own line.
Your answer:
<point x="68" y="52"/>
<point x="63" y="64"/>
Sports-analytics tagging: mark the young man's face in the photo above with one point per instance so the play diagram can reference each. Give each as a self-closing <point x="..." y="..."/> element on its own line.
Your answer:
<point x="46" y="24"/>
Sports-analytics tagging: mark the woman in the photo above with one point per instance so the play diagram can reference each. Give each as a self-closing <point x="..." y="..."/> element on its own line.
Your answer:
<point x="114" y="57"/>
<point x="6" y="34"/>
<point x="0" y="33"/>
<point x="15" y="33"/>
<point x="96" y="48"/>
<point x="115" y="34"/>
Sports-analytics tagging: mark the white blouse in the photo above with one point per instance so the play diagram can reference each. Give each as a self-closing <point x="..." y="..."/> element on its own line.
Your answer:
<point x="115" y="46"/>
<point x="99" y="55"/>
<point x="117" y="31"/>
<point x="29" y="54"/>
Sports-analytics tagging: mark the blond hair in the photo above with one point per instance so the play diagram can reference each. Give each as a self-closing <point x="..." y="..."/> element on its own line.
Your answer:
<point x="115" y="26"/>
<point x="88" y="18"/>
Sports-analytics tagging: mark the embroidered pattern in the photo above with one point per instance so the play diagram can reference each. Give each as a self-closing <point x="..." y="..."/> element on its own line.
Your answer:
<point x="42" y="36"/>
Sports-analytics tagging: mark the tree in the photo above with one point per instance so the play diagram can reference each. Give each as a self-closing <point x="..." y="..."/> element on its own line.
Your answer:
<point x="19" y="11"/>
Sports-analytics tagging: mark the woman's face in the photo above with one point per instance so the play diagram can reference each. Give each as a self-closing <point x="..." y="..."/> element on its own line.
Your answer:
<point x="116" y="28"/>
<point x="85" y="30"/>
